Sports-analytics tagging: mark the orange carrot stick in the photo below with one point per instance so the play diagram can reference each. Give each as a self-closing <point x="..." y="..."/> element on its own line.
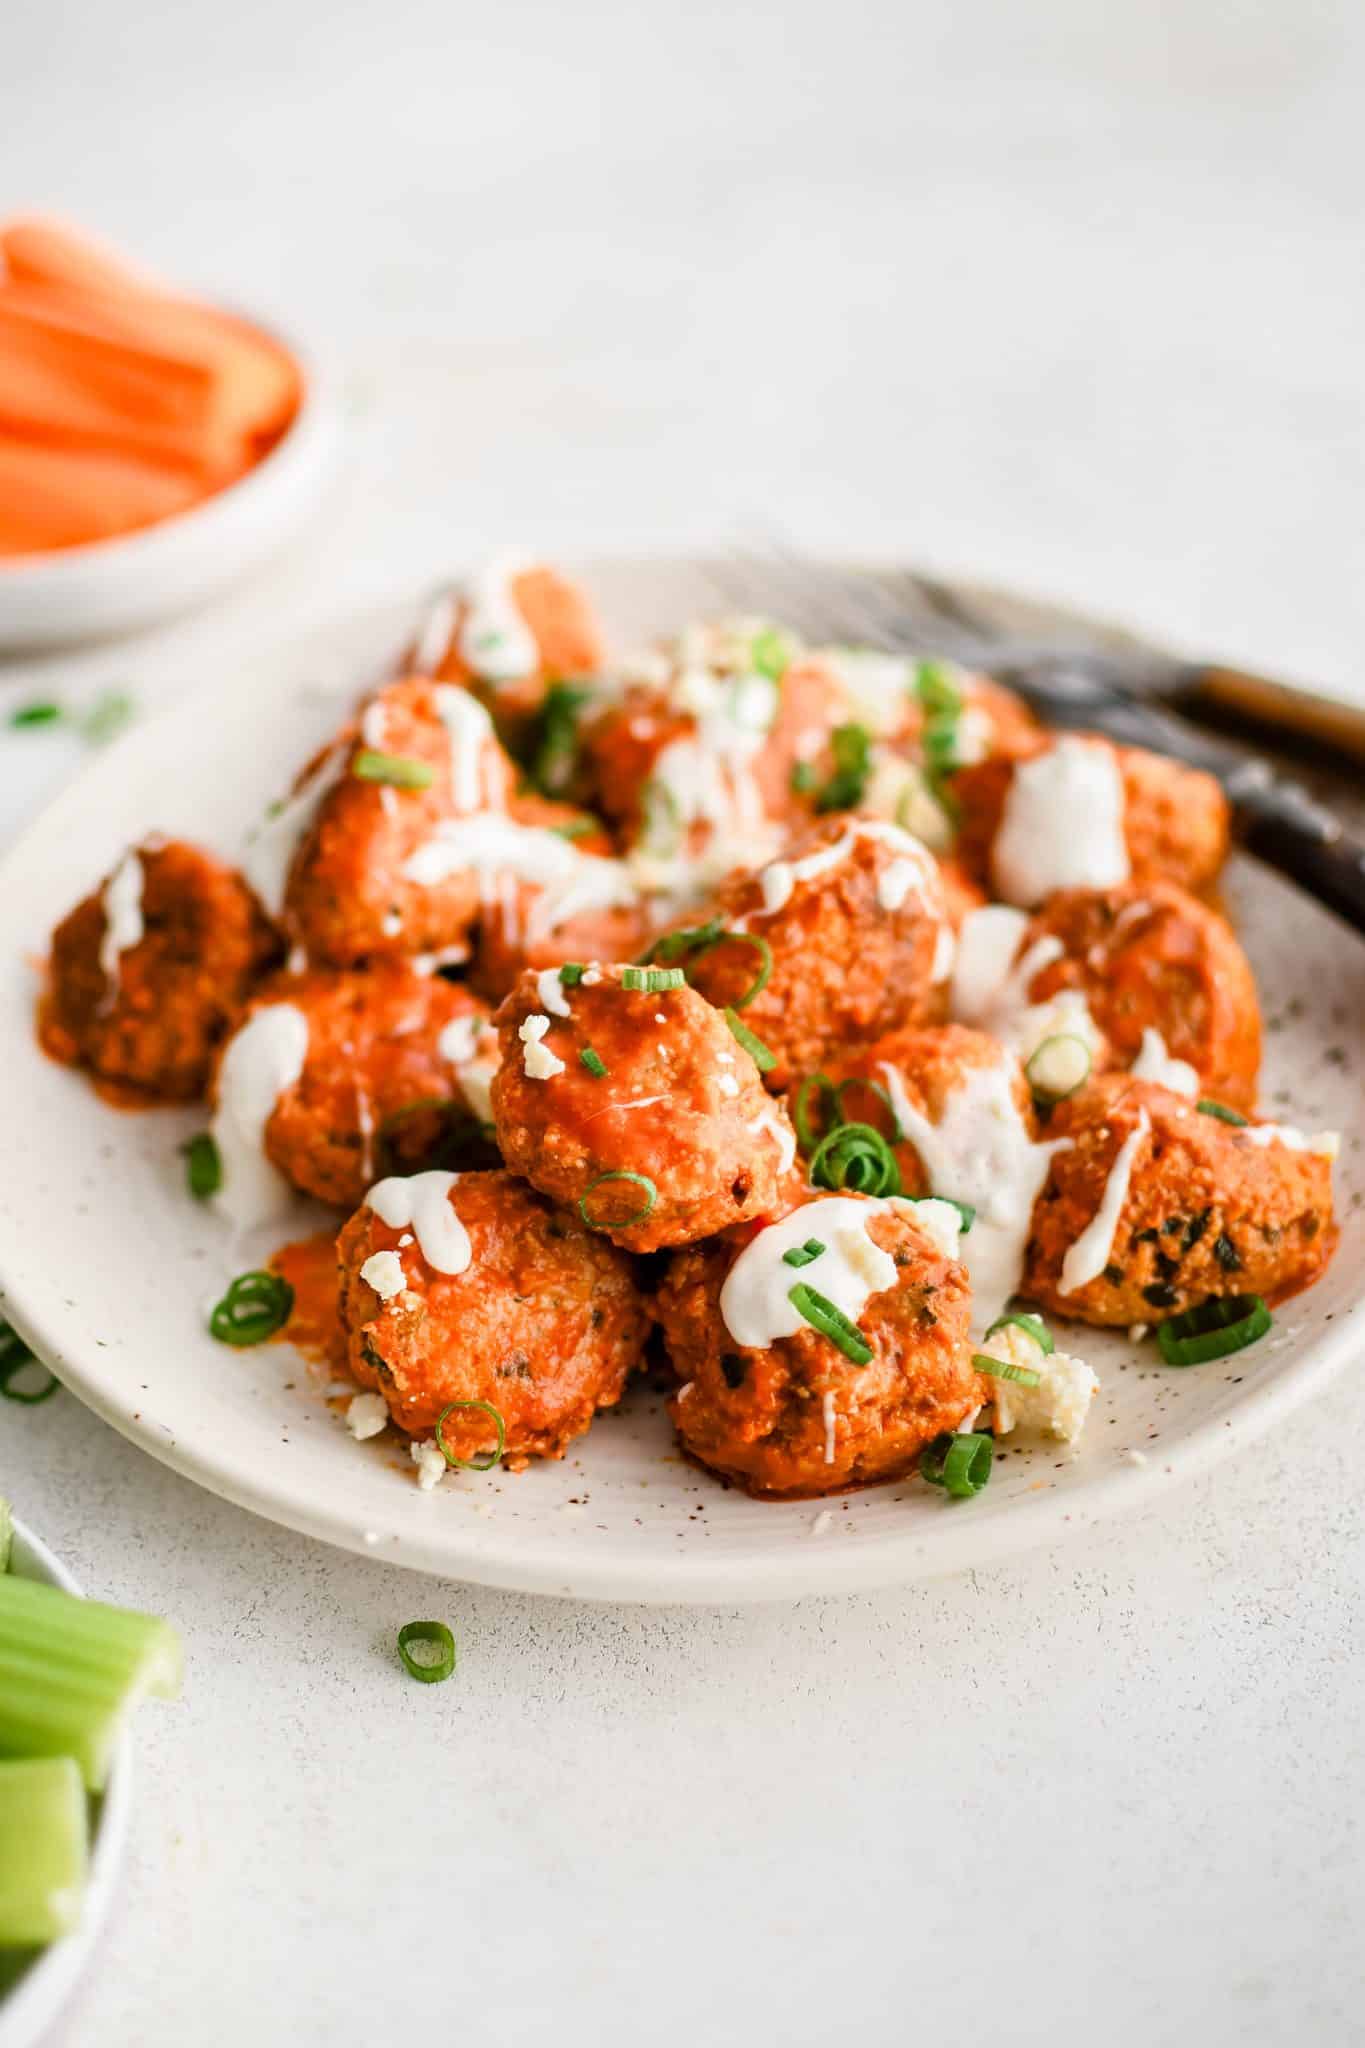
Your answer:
<point x="42" y="251"/>
<point x="59" y="497"/>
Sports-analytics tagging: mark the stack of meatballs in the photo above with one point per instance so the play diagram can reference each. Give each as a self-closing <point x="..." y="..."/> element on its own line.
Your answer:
<point x="562" y="983"/>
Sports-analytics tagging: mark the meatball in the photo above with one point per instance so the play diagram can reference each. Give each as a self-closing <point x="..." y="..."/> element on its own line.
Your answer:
<point x="855" y="926"/>
<point x="390" y="863"/>
<point x="1164" y="979"/>
<point x="958" y="1113"/>
<point x="147" y="974"/>
<point x="566" y="899"/>
<point x="517" y="629"/>
<point x="1152" y="1206"/>
<point x="637" y="1105"/>
<point x="472" y="1287"/>
<point x="1079" y="812"/>
<point x="379" y="1089"/>
<point x="770" y="1401"/>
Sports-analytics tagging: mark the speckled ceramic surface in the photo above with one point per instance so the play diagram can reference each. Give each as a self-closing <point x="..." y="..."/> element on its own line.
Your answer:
<point x="108" y="1268"/>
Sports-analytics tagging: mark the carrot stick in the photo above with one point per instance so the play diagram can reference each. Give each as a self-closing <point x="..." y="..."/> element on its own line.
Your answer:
<point x="59" y="497"/>
<point x="44" y="252"/>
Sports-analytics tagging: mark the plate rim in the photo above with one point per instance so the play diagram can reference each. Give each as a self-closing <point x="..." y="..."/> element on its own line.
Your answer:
<point x="878" y="1559"/>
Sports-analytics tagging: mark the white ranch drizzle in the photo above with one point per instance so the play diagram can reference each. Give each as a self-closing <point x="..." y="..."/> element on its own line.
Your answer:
<point x="551" y="994"/>
<point x="262" y="1060"/>
<point x="121" y="903"/>
<point x="1326" y="1144"/>
<point x="495" y="641"/>
<point x="271" y="848"/>
<point x="981" y="1152"/>
<point x="1087" y="1258"/>
<point x="754" y="1302"/>
<point x="990" y="986"/>
<point x="499" y="850"/>
<point x="783" y="1136"/>
<point x="472" y="749"/>
<point x="373" y="721"/>
<point x="1062" y="824"/>
<point x="434" y="632"/>
<point x="384" y="1272"/>
<point x="708" y="774"/>
<point x="420" y="1202"/>
<point x="914" y="867"/>
<point x="1155" y="1062"/>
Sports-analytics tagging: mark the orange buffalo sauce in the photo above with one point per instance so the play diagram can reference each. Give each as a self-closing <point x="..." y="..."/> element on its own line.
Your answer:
<point x="309" y="1264"/>
<point x="120" y="403"/>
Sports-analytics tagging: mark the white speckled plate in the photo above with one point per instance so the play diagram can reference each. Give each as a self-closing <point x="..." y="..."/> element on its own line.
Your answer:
<point x="107" y="1267"/>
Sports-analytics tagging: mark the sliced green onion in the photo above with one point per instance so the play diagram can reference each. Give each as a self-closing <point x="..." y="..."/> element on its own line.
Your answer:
<point x="203" y="1167"/>
<point x="939" y="696"/>
<point x="1031" y="1325"/>
<point x="35" y="714"/>
<point x="758" y="1052"/>
<point x="961" y="1463"/>
<point x="1215" y="1329"/>
<point x="70" y="1669"/>
<point x="16" y="1359"/>
<point x="593" y="1061"/>
<point x="434" y="1636"/>
<point x="829" y="1098"/>
<point x="640" y="1180"/>
<point x="401" y="770"/>
<point x="576" y="828"/>
<point x="489" y="1459"/>
<point x="803" y="1254"/>
<point x="1206" y="1107"/>
<point x="558" y="748"/>
<point x="571" y="973"/>
<point x="107" y="717"/>
<point x="255" y="1306"/>
<point x="822" y="1315"/>
<point x="1001" y="1369"/>
<point x="694" y="940"/>
<point x="803" y="778"/>
<point x="851" y="746"/>
<point x="653" y="981"/>
<point x="44" y="1849"/>
<point x="855" y="1156"/>
<point x="1059" y="1066"/>
<point x="770" y="653"/>
<point x="964" y="1209"/>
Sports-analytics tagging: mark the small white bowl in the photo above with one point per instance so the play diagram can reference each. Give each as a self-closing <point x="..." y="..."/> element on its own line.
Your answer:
<point x="31" y="2005"/>
<point x="136" y="579"/>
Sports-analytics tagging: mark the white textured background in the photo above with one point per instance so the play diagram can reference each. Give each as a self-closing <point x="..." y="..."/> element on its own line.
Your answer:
<point x="1070" y="294"/>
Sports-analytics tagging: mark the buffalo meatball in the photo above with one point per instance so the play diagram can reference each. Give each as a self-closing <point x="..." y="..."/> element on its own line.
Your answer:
<point x="380" y="1087"/>
<point x="1152" y="1206"/>
<point x="632" y="1099"/>
<point x="845" y="937"/>
<point x="516" y="629"/>
<point x="565" y="898"/>
<point x="460" y="1288"/>
<point x="1164" y="980"/>
<point x="1079" y="812"/>
<point x="147" y="974"/>
<point x="770" y="1399"/>
<point x="408" y="817"/>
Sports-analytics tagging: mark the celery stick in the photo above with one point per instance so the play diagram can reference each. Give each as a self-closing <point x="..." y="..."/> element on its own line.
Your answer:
<point x="70" y="1670"/>
<point x="6" y="1534"/>
<point x="44" y="1844"/>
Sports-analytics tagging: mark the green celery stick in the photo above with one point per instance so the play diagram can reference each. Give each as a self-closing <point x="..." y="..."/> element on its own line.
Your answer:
<point x="70" y="1670"/>
<point x="44" y="1849"/>
<point x="6" y="1534"/>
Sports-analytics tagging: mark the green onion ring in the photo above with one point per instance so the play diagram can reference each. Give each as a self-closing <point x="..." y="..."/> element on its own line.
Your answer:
<point x="1001" y="1369"/>
<point x="938" y="696"/>
<point x="961" y="1463"/>
<point x="692" y="941"/>
<point x="571" y="973"/>
<point x="822" y="1315"/>
<point x="593" y="1061"/>
<point x="429" y="1670"/>
<point x="803" y="1254"/>
<point x="1207" y="1107"/>
<point x="255" y="1306"/>
<point x="1215" y="1329"/>
<point x="35" y="714"/>
<point x="472" y="1464"/>
<point x="829" y="1095"/>
<point x="641" y="1180"/>
<point x="1032" y="1326"/>
<point x="763" y="1058"/>
<point x="858" y="1157"/>
<point x="203" y="1167"/>
<point x="401" y="771"/>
